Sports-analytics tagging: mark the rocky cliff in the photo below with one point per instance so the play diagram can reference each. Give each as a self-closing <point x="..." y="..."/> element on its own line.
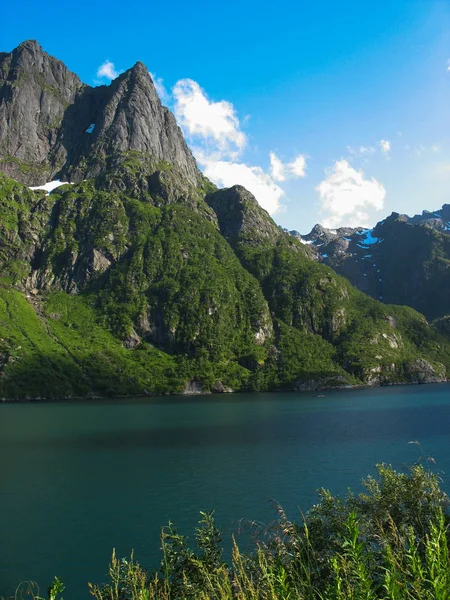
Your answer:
<point x="55" y="127"/>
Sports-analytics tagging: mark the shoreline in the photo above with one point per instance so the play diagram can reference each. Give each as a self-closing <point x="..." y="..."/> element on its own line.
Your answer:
<point x="37" y="399"/>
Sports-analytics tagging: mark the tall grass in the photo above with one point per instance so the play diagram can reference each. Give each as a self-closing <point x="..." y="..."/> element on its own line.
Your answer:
<point x="389" y="543"/>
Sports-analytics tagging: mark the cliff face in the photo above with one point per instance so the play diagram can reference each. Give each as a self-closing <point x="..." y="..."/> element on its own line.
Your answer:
<point x="35" y="92"/>
<point x="139" y="276"/>
<point x="57" y="127"/>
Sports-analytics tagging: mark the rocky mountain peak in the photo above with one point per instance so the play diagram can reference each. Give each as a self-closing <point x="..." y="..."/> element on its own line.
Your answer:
<point x="26" y="51"/>
<point x="139" y="67"/>
<point x="57" y="127"/>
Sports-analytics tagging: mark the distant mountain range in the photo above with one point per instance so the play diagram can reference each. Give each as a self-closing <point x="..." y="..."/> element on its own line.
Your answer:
<point x="138" y="276"/>
<point x="402" y="260"/>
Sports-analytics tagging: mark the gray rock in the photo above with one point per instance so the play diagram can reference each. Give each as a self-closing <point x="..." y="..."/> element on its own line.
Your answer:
<point x="421" y="371"/>
<point x="238" y="212"/>
<point x="219" y="388"/>
<point x="132" y="341"/>
<point x="35" y="91"/>
<point x="46" y="112"/>
<point x="193" y="388"/>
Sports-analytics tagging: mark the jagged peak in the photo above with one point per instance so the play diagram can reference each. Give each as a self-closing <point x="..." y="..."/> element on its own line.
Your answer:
<point x="319" y="229"/>
<point x="127" y="116"/>
<point x="137" y="72"/>
<point x="30" y="46"/>
<point x="139" y="66"/>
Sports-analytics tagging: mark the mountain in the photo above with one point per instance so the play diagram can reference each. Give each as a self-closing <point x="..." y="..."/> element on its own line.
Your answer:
<point x="57" y="127"/>
<point x="138" y="276"/>
<point x="402" y="260"/>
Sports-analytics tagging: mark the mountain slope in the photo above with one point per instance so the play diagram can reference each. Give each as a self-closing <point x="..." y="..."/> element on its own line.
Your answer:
<point x="402" y="260"/>
<point x="139" y="276"/>
<point x="371" y="342"/>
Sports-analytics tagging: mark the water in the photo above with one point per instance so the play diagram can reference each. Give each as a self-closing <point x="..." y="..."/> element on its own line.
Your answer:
<point x="80" y="478"/>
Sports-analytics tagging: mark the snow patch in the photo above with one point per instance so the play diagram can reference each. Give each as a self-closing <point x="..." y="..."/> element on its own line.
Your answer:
<point x="50" y="186"/>
<point x="368" y="239"/>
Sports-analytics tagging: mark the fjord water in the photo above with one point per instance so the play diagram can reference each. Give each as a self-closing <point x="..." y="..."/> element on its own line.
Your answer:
<point x="79" y="478"/>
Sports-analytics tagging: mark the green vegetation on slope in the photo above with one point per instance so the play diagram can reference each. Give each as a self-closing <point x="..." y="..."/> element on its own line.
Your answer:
<point x="367" y="341"/>
<point x="56" y="348"/>
<point x="153" y="296"/>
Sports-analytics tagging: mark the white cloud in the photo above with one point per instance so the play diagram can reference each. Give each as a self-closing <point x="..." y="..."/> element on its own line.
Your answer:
<point x="159" y="85"/>
<point x="107" y="70"/>
<point x="217" y="141"/>
<point x="345" y="196"/>
<point x="385" y="146"/>
<point x="281" y="171"/>
<point x="448" y="64"/>
<point x="298" y="166"/>
<point x="214" y="132"/>
<point x="277" y="168"/>
<point x="259" y="183"/>
<point x="213" y="122"/>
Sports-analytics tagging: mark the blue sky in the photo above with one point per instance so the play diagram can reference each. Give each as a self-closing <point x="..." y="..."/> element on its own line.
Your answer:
<point x="333" y="112"/>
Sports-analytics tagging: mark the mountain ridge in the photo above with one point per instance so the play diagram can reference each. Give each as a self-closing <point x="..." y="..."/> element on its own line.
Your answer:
<point x="405" y="260"/>
<point x="59" y="144"/>
<point x="141" y="277"/>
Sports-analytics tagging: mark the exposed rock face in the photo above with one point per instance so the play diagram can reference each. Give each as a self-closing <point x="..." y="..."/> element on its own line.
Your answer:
<point x="57" y="127"/>
<point x="132" y="341"/>
<point x="421" y="371"/>
<point x="35" y="91"/>
<point x="238" y="212"/>
<point x="194" y="388"/>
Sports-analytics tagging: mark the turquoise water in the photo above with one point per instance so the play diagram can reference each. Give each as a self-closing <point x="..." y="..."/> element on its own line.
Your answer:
<point x="80" y="478"/>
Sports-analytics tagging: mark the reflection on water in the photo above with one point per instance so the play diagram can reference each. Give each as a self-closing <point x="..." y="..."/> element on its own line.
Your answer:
<point x="81" y="478"/>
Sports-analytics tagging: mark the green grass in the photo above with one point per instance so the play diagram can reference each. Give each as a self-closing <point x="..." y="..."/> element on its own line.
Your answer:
<point x="58" y="349"/>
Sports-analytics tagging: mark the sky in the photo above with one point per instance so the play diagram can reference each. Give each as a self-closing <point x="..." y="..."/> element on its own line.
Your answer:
<point x="329" y="112"/>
